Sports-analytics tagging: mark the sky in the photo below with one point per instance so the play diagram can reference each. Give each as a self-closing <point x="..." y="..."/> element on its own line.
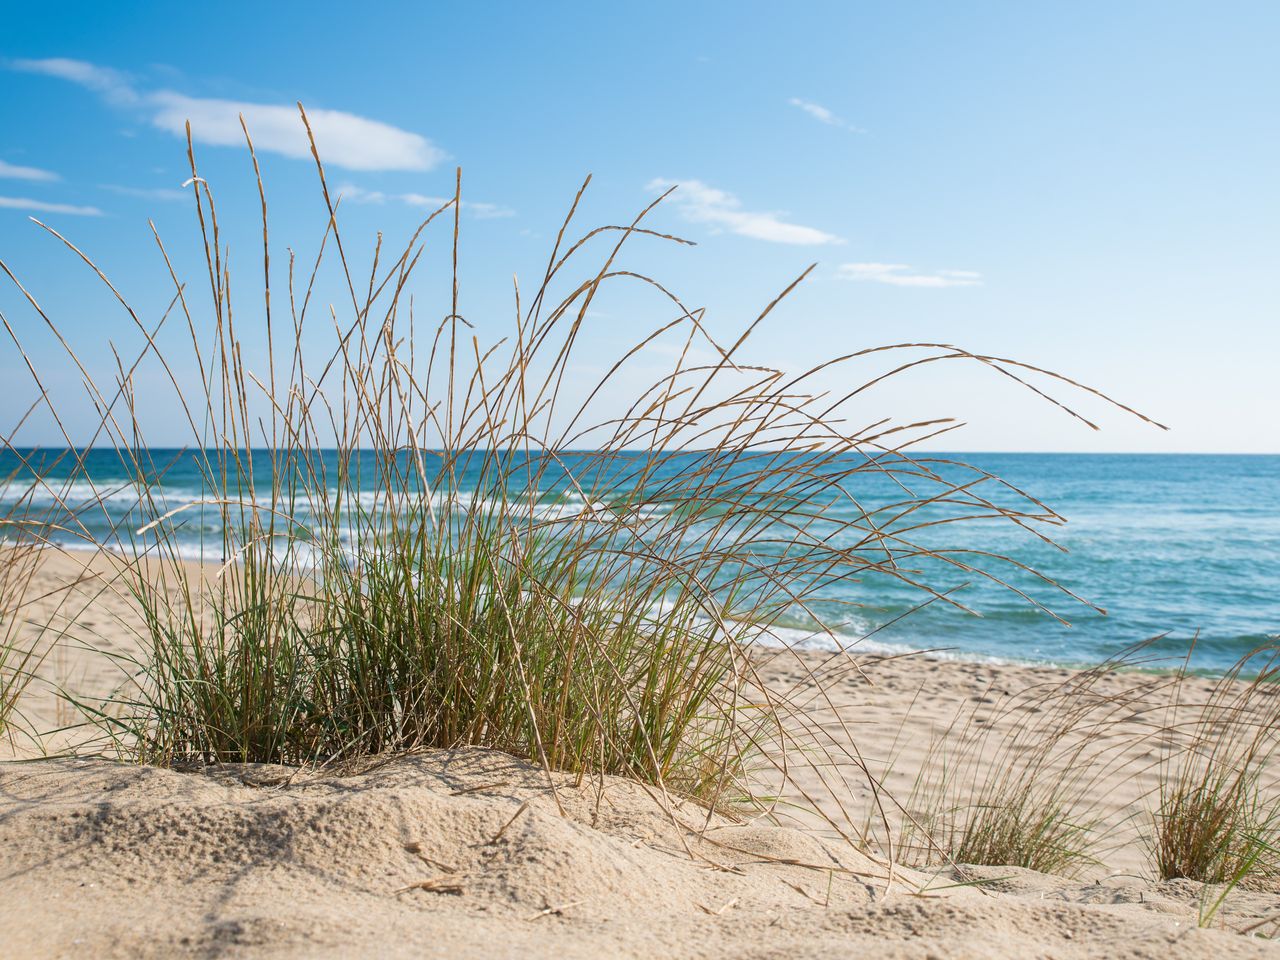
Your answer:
<point x="1087" y="187"/>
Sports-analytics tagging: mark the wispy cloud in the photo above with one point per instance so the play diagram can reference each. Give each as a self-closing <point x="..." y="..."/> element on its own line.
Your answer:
<point x="15" y="172"/>
<point x="479" y="210"/>
<point x="902" y="275"/>
<point x="112" y="85"/>
<point x="344" y="139"/>
<point x="687" y="353"/>
<point x="700" y="203"/>
<point x="147" y="193"/>
<point x="40" y="206"/>
<point x="823" y="114"/>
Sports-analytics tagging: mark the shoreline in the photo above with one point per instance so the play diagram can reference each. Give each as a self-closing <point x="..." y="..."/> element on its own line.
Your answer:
<point x="875" y="649"/>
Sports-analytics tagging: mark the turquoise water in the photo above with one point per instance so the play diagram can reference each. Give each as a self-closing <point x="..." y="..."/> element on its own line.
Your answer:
<point x="1173" y="545"/>
<point x="1166" y="544"/>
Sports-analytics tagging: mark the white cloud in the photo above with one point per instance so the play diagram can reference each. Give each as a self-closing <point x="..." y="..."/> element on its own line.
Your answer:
<point x="113" y="86"/>
<point x="481" y="211"/>
<point x="39" y="206"/>
<point x="902" y="275"/>
<point x="344" y="139"/>
<point x="700" y="203"/>
<point x="814" y="110"/>
<point x="689" y="354"/>
<point x="488" y="211"/>
<point x="353" y="194"/>
<point x="822" y="114"/>
<point x="15" y="172"/>
<point x="147" y="193"/>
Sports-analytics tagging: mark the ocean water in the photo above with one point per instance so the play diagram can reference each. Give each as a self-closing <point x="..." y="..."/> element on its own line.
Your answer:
<point x="1180" y="547"/>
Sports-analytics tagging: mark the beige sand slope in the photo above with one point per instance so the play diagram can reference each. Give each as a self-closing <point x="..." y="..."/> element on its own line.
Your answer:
<point x="475" y="854"/>
<point x="101" y="860"/>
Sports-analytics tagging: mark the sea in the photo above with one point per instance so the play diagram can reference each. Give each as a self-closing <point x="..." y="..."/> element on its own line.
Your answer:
<point x="1182" y="552"/>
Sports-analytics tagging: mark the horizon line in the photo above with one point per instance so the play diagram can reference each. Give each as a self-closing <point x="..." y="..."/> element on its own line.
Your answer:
<point x="929" y="451"/>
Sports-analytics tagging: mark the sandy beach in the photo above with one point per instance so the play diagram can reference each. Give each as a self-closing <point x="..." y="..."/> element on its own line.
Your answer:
<point x="472" y="853"/>
<point x="577" y="481"/>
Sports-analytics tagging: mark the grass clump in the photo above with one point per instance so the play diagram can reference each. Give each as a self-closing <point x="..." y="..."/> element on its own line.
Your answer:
<point x="22" y="644"/>
<point x="1217" y="820"/>
<point x="421" y="541"/>
<point x="1013" y="783"/>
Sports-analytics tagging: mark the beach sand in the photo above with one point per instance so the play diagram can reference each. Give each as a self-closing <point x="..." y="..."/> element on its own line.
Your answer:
<point x="471" y="853"/>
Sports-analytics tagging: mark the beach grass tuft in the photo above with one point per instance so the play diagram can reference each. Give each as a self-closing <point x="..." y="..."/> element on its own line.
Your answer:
<point x="414" y="539"/>
<point x="23" y="644"/>
<point x="997" y="791"/>
<point x="1218" y="819"/>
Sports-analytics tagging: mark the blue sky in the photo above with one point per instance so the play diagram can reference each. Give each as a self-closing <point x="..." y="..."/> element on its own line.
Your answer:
<point x="1090" y="187"/>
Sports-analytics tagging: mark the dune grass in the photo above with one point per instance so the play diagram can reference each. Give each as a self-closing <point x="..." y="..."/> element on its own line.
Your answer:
<point x="1012" y="781"/>
<point x="1218" y="816"/>
<point x="421" y="541"/>
<point x="23" y="645"/>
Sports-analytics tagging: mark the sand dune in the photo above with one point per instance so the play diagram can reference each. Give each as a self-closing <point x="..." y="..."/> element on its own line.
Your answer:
<point x="472" y="853"/>
<point x="466" y="854"/>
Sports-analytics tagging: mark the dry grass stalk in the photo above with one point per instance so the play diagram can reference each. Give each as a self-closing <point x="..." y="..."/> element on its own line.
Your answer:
<point x="1218" y="813"/>
<point x="1014" y="787"/>
<point x="427" y="542"/>
<point x="557" y="910"/>
<point x="26" y="637"/>
<point x="436" y="885"/>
